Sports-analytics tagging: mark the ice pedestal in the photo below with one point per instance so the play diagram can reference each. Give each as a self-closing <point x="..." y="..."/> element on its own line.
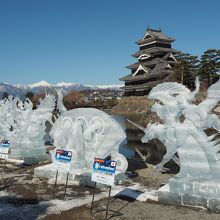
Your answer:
<point x="49" y="171"/>
<point x="189" y="191"/>
<point x="197" y="187"/>
<point x="81" y="177"/>
<point x="29" y="155"/>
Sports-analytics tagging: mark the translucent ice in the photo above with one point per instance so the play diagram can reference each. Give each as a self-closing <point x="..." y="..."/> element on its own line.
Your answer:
<point x="89" y="133"/>
<point x="7" y="112"/>
<point x="198" y="154"/>
<point x="25" y="127"/>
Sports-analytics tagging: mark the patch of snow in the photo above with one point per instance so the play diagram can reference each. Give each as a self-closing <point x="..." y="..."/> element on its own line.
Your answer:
<point x="4" y="193"/>
<point x="14" y="161"/>
<point x="19" y="177"/>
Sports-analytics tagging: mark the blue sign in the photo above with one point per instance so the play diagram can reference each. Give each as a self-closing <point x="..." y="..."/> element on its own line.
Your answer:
<point x="107" y="166"/>
<point x="5" y="143"/>
<point x="4" y="149"/>
<point x="63" y="159"/>
<point x="104" y="171"/>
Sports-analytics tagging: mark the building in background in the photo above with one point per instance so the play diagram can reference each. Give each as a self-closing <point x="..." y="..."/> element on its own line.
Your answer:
<point x="154" y="64"/>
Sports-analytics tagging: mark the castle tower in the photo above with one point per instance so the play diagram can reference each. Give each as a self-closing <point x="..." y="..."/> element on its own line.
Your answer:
<point x="155" y="62"/>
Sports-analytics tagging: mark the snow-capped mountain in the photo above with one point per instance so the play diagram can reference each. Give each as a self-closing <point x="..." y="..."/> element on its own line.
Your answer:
<point x="20" y="90"/>
<point x="44" y="86"/>
<point x="12" y="90"/>
<point x="111" y="87"/>
<point x="66" y="87"/>
<point x="40" y="84"/>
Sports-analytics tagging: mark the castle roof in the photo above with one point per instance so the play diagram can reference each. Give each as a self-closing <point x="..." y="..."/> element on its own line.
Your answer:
<point x="161" y="68"/>
<point x="153" y="50"/>
<point x="152" y="62"/>
<point x="152" y="35"/>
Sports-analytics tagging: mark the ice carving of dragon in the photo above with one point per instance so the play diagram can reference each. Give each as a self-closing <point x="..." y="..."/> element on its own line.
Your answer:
<point x="198" y="153"/>
<point x="88" y="133"/>
<point x="25" y="127"/>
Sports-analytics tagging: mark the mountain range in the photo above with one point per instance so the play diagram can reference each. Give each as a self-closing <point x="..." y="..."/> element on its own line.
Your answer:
<point x="20" y="89"/>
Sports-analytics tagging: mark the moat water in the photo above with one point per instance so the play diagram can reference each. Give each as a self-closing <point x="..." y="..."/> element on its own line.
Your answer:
<point x="128" y="152"/>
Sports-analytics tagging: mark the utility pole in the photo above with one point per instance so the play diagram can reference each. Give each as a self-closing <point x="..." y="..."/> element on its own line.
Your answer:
<point x="182" y="75"/>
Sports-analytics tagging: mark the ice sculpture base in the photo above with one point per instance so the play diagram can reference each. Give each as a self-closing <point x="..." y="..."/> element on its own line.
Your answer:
<point x="31" y="160"/>
<point x="81" y="177"/>
<point x="30" y="157"/>
<point x="197" y="187"/>
<point x="35" y="160"/>
<point x="191" y="192"/>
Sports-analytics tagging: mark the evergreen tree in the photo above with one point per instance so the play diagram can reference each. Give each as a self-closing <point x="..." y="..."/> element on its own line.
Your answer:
<point x="29" y="95"/>
<point x="5" y="95"/>
<point x="186" y="69"/>
<point x="209" y="65"/>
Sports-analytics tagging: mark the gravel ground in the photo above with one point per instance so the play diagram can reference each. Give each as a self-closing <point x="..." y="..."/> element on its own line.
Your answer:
<point x="134" y="210"/>
<point x="130" y="209"/>
<point x="27" y="190"/>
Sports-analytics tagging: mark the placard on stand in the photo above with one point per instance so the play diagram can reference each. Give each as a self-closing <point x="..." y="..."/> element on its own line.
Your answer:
<point x="4" y="151"/>
<point x="63" y="160"/>
<point x="103" y="172"/>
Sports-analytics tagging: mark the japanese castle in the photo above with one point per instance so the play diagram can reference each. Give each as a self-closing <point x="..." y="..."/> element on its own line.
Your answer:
<point x="155" y="62"/>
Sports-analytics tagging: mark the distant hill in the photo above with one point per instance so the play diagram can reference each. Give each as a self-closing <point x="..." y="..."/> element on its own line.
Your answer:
<point x="12" y="90"/>
<point x="20" y="90"/>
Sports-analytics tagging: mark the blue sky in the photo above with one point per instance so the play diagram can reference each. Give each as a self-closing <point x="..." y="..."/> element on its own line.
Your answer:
<point x="91" y="41"/>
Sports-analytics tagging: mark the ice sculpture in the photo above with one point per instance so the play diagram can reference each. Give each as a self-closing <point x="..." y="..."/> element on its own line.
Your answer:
<point x="199" y="154"/>
<point x="88" y="133"/>
<point x="25" y="127"/>
<point x="7" y="122"/>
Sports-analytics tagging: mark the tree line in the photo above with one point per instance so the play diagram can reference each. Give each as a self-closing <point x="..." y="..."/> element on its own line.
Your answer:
<point x="186" y="70"/>
<point x="190" y="66"/>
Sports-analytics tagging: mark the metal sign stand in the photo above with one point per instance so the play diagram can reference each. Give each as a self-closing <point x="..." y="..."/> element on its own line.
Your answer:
<point x="3" y="167"/>
<point x="67" y="178"/>
<point x="6" y="163"/>
<point x="55" y="184"/>
<point x="93" y="197"/>
<point x="109" y="194"/>
<point x="107" y="206"/>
